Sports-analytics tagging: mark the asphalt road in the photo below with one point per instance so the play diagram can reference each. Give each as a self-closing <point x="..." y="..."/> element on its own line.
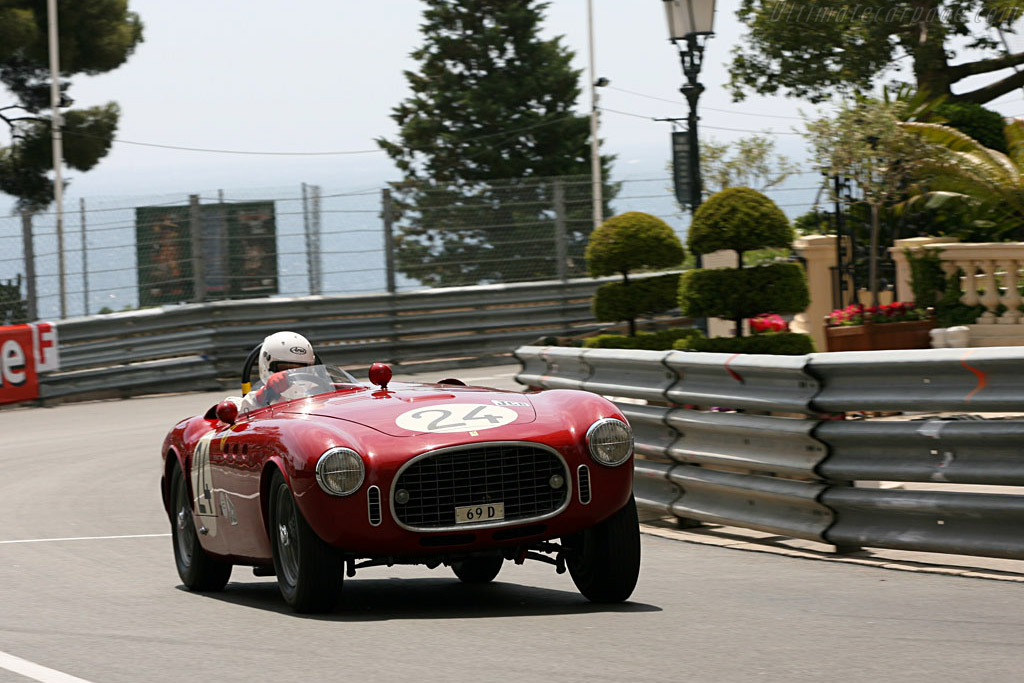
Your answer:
<point x="106" y="604"/>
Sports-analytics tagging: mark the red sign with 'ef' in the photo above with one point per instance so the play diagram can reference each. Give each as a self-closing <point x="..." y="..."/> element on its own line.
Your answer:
<point x="18" y="378"/>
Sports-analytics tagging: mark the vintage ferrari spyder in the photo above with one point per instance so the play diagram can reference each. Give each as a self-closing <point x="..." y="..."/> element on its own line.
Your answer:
<point x="339" y="475"/>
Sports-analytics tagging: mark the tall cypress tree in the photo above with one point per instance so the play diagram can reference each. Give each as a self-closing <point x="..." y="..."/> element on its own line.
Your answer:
<point x="488" y="129"/>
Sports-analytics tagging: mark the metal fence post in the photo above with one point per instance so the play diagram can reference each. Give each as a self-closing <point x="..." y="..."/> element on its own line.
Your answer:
<point x="196" y="233"/>
<point x="561" y="247"/>
<point x="308" y="237"/>
<point x="85" y="258"/>
<point x="316" y="261"/>
<point x="30" y="266"/>
<point x="387" y="213"/>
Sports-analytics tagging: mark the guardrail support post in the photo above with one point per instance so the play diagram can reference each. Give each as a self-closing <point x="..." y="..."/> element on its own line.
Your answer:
<point x="196" y="224"/>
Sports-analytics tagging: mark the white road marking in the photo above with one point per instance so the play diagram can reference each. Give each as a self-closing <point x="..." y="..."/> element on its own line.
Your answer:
<point x="34" y="671"/>
<point x="82" y="538"/>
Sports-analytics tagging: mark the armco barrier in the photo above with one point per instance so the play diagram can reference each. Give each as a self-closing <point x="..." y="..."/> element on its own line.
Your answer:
<point x="203" y="346"/>
<point x="764" y="441"/>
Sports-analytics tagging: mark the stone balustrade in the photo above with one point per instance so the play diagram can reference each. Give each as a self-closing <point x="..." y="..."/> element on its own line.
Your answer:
<point x="991" y="277"/>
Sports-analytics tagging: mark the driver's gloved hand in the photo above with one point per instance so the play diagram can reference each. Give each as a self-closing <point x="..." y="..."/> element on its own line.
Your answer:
<point x="277" y="383"/>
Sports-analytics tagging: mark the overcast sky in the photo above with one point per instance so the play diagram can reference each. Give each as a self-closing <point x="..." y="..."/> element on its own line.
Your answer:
<point x="323" y="75"/>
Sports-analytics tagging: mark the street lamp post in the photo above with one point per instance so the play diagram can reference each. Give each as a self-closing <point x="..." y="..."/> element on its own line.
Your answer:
<point x="690" y="22"/>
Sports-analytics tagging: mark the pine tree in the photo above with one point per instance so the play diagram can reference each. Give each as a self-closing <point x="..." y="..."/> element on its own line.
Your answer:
<point x="488" y="129"/>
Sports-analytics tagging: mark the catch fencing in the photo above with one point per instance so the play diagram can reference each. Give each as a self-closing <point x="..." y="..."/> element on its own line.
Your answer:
<point x="203" y="346"/>
<point x="117" y="254"/>
<point x="763" y="442"/>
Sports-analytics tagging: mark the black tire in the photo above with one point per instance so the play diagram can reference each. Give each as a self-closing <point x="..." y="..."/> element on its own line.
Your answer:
<point x="478" y="569"/>
<point x="309" y="571"/>
<point x="604" y="561"/>
<point x="198" y="570"/>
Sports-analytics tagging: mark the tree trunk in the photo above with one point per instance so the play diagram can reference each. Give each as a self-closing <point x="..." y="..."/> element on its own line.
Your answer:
<point x="873" y="255"/>
<point x="625" y="292"/>
<point x="926" y="42"/>
<point x="738" y="320"/>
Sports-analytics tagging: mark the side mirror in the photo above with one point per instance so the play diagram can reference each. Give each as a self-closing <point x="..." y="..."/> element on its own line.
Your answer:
<point x="227" y="412"/>
<point x="380" y="374"/>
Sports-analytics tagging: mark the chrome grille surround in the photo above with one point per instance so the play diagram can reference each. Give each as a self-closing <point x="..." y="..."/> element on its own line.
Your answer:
<point x="492" y="472"/>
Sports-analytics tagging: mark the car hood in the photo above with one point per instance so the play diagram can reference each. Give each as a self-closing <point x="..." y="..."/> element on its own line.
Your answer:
<point x="414" y="409"/>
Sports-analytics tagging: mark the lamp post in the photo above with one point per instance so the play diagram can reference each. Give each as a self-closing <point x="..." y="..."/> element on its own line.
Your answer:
<point x="690" y="22"/>
<point x="58" y="147"/>
<point x="595" y="142"/>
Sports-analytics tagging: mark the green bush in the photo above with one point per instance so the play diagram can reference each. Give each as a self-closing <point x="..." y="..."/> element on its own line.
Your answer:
<point x="775" y="343"/>
<point x="662" y="340"/>
<point x="616" y="301"/>
<point x="630" y="242"/>
<point x="740" y="219"/>
<point x="743" y="293"/>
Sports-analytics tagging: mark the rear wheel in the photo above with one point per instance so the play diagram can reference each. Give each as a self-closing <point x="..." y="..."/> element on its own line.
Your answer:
<point x="478" y="569"/>
<point x="604" y="561"/>
<point x="309" y="571"/>
<point x="198" y="570"/>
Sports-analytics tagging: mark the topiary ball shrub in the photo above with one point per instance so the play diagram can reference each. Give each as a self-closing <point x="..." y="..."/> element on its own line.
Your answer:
<point x="777" y="344"/>
<point x="735" y="294"/>
<point x="662" y="340"/>
<point x="740" y="219"/>
<point x="632" y="241"/>
<point x="616" y="301"/>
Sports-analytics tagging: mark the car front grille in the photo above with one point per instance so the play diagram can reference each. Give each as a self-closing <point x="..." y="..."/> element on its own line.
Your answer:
<point x="514" y="473"/>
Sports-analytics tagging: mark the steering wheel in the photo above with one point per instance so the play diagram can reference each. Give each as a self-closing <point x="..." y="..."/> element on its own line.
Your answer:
<point x="302" y="383"/>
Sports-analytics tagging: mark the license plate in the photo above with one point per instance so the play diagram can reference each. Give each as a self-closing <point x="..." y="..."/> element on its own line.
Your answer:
<point x="479" y="513"/>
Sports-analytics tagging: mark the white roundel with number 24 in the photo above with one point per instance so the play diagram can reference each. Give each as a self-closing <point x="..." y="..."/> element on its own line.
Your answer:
<point x="456" y="417"/>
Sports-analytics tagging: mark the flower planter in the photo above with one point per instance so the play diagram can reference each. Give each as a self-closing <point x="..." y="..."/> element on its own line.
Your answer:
<point x="880" y="336"/>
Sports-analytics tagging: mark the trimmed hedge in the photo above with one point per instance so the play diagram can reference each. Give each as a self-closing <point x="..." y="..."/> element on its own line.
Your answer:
<point x="616" y="301"/>
<point x="631" y="241"/>
<point x="740" y="219"/>
<point x="733" y="293"/>
<point x="779" y="344"/>
<point x="662" y="340"/>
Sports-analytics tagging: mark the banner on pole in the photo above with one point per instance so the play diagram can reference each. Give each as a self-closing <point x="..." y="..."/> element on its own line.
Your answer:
<point x="681" y="166"/>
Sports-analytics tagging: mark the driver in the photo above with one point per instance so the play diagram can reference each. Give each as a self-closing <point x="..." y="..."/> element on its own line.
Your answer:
<point x="280" y="352"/>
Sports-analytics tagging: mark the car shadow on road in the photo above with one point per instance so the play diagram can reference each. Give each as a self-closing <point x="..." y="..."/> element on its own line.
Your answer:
<point x="427" y="598"/>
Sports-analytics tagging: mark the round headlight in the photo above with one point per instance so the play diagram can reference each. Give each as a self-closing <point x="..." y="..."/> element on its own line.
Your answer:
<point x="340" y="471"/>
<point x="610" y="441"/>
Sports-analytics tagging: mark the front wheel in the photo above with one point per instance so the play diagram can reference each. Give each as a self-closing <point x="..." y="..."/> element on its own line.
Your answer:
<point x="309" y="571"/>
<point x="198" y="570"/>
<point x="604" y="560"/>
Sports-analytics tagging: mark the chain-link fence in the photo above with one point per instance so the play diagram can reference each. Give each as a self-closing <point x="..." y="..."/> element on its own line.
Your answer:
<point x="126" y="253"/>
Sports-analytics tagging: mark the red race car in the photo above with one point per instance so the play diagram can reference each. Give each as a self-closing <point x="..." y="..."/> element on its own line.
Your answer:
<point x="339" y="475"/>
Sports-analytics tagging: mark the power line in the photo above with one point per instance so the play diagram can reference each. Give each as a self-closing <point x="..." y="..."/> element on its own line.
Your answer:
<point x="504" y="133"/>
<point x="732" y="130"/>
<point x="723" y="111"/>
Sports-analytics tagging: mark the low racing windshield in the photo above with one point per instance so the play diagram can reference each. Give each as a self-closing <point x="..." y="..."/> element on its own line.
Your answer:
<point x="305" y="382"/>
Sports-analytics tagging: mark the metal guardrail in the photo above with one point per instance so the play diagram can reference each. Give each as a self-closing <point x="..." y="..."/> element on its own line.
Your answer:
<point x="203" y="346"/>
<point x="762" y="441"/>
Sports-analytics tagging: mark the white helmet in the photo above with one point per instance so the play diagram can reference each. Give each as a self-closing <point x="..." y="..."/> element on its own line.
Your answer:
<point x="284" y="348"/>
